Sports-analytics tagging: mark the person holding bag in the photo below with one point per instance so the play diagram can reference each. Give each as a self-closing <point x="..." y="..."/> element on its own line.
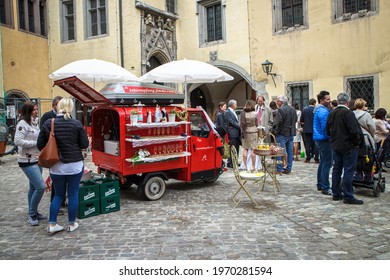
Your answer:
<point x="66" y="174"/>
<point x="26" y="135"/>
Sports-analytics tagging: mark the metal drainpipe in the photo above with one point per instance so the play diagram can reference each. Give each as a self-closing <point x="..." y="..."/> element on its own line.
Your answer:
<point x="2" y="117"/>
<point x="121" y="34"/>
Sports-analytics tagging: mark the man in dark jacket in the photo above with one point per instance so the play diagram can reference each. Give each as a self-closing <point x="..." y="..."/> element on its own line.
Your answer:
<point x="285" y="130"/>
<point x="52" y="113"/>
<point x="233" y="126"/>
<point x="307" y="124"/>
<point x="345" y="137"/>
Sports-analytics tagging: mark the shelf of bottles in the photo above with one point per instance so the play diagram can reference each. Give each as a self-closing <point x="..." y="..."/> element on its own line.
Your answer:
<point x="155" y="125"/>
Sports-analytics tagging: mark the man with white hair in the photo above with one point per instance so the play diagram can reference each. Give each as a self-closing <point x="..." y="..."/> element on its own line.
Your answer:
<point x="285" y="130"/>
<point x="345" y="137"/>
<point x="233" y="126"/>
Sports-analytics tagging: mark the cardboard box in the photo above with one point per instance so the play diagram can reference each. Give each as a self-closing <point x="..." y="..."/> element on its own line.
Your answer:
<point x="111" y="147"/>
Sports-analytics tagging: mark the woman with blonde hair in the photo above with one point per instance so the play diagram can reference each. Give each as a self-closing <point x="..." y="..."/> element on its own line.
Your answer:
<point x="365" y="121"/>
<point x="248" y="124"/>
<point x="71" y="138"/>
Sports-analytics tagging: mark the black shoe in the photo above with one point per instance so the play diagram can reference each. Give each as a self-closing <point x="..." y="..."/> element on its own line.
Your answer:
<point x="229" y="166"/>
<point x="353" y="201"/>
<point x="286" y="172"/>
<point x="384" y="170"/>
<point x="328" y="192"/>
<point x="319" y="189"/>
<point x="338" y="197"/>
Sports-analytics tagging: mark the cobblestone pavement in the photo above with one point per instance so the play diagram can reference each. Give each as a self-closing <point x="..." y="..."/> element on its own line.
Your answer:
<point x="196" y="222"/>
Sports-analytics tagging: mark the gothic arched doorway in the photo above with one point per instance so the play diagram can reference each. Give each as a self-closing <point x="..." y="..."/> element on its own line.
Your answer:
<point x="198" y="98"/>
<point x="152" y="63"/>
<point x="14" y="102"/>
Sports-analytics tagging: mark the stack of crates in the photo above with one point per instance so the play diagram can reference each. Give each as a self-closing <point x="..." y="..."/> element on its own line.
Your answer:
<point x="89" y="200"/>
<point x="97" y="197"/>
<point x="109" y="195"/>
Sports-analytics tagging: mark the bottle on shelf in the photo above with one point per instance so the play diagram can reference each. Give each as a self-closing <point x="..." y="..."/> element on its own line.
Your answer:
<point x="149" y="117"/>
<point x="164" y="115"/>
<point x="157" y="114"/>
<point x="140" y="116"/>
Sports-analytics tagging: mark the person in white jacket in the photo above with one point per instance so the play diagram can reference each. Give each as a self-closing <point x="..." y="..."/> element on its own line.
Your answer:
<point x="26" y="135"/>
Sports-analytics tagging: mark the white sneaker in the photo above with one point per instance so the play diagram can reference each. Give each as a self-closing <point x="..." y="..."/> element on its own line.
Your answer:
<point x="32" y="220"/>
<point x="72" y="228"/>
<point x="54" y="229"/>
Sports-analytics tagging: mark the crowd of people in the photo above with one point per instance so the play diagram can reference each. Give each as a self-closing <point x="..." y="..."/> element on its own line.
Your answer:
<point x="332" y="131"/>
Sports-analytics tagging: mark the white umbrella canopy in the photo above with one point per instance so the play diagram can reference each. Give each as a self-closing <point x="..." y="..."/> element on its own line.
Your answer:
<point x="186" y="71"/>
<point x="94" y="70"/>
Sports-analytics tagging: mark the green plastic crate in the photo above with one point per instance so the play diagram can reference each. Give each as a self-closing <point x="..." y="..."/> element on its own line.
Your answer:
<point x="109" y="204"/>
<point x="108" y="187"/>
<point x="88" y="209"/>
<point x="88" y="191"/>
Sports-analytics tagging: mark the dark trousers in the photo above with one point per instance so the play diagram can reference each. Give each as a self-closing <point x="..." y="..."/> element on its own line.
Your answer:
<point x="236" y="142"/>
<point x="310" y="146"/>
<point x="344" y="164"/>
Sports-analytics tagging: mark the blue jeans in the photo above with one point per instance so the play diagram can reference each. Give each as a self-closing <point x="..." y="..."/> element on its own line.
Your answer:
<point x="36" y="187"/>
<point x="287" y="143"/>
<point x="326" y="158"/>
<point x="344" y="161"/>
<point x="61" y="184"/>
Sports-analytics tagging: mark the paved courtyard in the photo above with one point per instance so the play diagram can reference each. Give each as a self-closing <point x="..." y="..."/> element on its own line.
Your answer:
<point x="196" y="222"/>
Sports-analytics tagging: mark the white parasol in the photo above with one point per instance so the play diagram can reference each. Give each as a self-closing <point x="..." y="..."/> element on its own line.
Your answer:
<point x="186" y="71"/>
<point x="94" y="70"/>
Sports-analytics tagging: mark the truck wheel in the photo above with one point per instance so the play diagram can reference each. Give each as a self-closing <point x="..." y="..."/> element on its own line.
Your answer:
<point x="154" y="188"/>
<point x="211" y="180"/>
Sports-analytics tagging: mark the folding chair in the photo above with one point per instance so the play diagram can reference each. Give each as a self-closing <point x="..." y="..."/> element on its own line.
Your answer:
<point x="242" y="177"/>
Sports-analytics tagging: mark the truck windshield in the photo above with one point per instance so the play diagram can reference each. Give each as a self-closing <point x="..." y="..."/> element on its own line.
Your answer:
<point x="199" y="126"/>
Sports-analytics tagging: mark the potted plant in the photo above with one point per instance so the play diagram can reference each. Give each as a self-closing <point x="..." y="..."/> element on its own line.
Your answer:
<point x="172" y="115"/>
<point x="134" y="117"/>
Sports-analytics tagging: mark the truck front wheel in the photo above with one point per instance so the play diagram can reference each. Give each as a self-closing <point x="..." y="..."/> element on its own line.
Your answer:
<point x="154" y="188"/>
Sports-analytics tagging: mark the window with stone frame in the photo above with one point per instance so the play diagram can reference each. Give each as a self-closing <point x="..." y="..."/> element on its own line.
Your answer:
<point x="363" y="87"/>
<point x="170" y="6"/>
<point x="96" y="17"/>
<point x="6" y="13"/>
<point x="343" y="10"/>
<point x="289" y="15"/>
<point x="298" y="93"/>
<point x="211" y="17"/>
<point x="32" y="16"/>
<point x="67" y="20"/>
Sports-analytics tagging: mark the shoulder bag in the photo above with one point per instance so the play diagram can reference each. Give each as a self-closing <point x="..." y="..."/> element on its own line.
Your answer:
<point x="49" y="154"/>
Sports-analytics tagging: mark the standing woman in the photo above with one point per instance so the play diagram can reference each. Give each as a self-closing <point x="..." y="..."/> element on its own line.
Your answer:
<point x="380" y="125"/>
<point x="217" y="115"/>
<point x="298" y="136"/>
<point x="26" y="136"/>
<point x="248" y="124"/>
<point x="71" y="137"/>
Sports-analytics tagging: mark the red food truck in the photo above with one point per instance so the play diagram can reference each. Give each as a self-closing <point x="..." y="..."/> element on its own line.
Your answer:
<point x="134" y="143"/>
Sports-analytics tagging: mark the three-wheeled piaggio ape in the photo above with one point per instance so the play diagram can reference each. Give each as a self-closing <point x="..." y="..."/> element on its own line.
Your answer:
<point x="134" y="143"/>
